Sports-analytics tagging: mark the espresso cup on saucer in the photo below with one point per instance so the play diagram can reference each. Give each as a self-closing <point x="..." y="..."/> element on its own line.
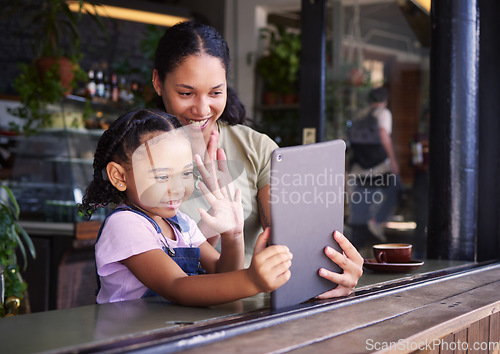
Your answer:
<point x="392" y="252"/>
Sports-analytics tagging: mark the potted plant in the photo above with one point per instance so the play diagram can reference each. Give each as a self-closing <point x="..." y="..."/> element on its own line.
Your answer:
<point x="12" y="238"/>
<point x="55" y="67"/>
<point x="280" y="64"/>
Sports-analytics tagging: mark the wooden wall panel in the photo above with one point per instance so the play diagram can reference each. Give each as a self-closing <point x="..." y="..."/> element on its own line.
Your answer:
<point x="482" y="336"/>
<point x="495" y="329"/>
<point x="404" y="103"/>
<point x="446" y="347"/>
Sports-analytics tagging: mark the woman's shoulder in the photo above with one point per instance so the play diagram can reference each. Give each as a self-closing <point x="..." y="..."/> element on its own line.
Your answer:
<point x="245" y="134"/>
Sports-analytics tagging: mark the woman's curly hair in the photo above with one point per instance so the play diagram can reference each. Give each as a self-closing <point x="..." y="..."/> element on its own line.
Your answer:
<point x="117" y="144"/>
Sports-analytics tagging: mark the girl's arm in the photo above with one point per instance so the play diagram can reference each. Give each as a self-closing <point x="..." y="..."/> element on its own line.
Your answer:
<point x="268" y="271"/>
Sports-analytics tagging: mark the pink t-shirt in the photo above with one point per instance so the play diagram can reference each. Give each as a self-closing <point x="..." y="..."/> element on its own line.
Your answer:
<point x="126" y="234"/>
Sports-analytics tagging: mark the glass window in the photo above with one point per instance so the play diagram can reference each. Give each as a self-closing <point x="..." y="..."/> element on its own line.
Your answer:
<point x="371" y="45"/>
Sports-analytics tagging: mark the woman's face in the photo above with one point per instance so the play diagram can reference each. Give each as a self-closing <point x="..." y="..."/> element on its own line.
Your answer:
<point x="162" y="174"/>
<point x="195" y="92"/>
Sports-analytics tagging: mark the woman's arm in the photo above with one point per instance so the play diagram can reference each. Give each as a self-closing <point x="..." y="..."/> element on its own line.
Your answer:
<point x="264" y="200"/>
<point x="268" y="271"/>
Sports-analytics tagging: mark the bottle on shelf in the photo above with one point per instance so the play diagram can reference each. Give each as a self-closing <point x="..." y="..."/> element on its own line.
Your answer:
<point x="115" y="92"/>
<point x="100" y="86"/>
<point x="107" y="88"/>
<point x="91" y="85"/>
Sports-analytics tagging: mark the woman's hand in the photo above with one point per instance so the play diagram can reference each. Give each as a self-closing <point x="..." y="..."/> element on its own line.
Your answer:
<point x="350" y="261"/>
<point x="270" y="266"/>
<point x="226" y="213"/>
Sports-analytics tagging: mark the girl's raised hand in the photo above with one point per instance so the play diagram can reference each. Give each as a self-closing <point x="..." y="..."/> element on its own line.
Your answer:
<point x="270" y="266"/>
<point x="226" y="212"/>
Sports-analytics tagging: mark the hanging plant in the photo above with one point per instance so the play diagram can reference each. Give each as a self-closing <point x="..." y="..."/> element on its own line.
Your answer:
<point x="54" y="69"/>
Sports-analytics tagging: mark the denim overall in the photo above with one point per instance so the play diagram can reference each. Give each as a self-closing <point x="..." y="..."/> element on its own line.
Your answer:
<point x="188" y="258"/>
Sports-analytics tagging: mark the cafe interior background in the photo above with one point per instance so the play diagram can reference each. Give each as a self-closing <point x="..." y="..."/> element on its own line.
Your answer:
<point x="368" y="43"/>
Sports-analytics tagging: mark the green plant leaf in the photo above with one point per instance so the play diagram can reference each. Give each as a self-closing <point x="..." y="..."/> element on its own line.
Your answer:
<point x="13" y="202"/>
<point x="20" y="245"/>
<point x="27" y="239"/>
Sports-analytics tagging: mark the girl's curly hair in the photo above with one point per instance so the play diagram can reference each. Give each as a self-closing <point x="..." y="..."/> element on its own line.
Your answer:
<point x="117" y="144"/>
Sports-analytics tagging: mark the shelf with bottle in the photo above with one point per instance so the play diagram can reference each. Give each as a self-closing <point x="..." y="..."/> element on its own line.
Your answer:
<point x="109" y="88"/>
<point x="105" y="86"/>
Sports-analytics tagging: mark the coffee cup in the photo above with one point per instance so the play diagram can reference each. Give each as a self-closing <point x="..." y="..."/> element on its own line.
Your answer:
<point x="392" y="252"/>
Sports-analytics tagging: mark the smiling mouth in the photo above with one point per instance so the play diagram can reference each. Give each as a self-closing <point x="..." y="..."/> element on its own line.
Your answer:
<point x="173" y="203"/>
<point x="197" y="123"/>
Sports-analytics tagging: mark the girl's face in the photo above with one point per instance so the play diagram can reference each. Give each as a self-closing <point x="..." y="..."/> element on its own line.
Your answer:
<point x="195" y="92"/>
<point x="161" y="174"/>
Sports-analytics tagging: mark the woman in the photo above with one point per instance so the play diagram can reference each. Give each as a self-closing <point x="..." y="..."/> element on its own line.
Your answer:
<point x="190" y="77"/>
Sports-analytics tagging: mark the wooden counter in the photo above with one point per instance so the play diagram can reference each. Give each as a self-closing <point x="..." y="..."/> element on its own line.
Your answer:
<point x="411" y="314"/>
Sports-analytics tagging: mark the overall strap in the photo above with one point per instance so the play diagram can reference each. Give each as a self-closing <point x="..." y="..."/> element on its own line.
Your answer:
<point x="125" y="208"/>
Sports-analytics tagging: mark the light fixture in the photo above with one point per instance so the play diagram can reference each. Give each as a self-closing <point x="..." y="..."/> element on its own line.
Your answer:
<point x="143" y="12"/>
<point x="417" y="13"/>
<point x="424" y="4"/>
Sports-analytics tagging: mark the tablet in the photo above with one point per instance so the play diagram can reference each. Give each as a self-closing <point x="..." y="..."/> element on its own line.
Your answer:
<point x="307" y="206"/>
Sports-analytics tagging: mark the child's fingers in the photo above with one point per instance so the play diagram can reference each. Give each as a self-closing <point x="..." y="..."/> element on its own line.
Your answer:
<point x="272" y="257"/>
<point x="207" y="218"/>
<point x="225" y="190"/>
<point x="262" y="240"/>
<point x="207" y="172"/>
<point x="274" y="267"/>
<point x="209" y="196"/>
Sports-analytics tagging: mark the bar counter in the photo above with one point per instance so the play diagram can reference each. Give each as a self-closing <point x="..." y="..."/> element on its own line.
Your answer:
<point x="400" y="308"/>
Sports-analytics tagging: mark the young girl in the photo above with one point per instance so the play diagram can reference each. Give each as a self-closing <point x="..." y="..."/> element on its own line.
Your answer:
<point x="146" y="247"/>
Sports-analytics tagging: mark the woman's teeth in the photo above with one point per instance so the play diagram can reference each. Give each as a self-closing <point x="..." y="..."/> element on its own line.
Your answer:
<point x="197" y="123"/>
